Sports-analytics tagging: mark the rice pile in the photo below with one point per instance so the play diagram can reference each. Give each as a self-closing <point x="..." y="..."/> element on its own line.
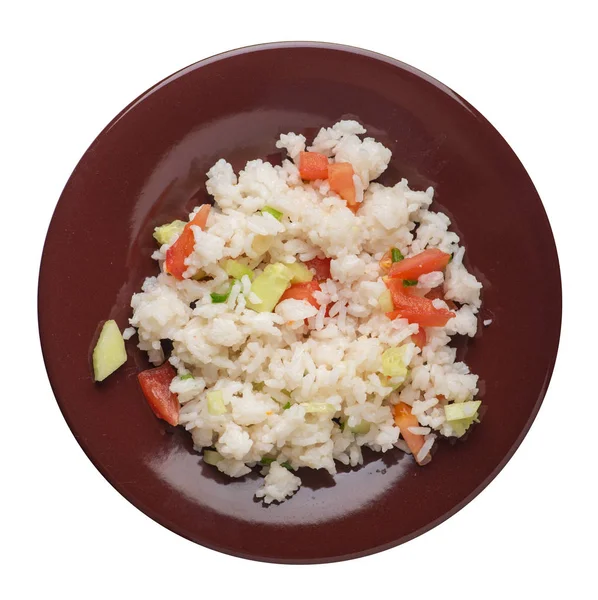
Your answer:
<point x="273" y="366"/>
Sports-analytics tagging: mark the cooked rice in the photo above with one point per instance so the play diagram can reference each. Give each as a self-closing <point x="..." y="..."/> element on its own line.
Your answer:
<point x="270" y="365"/>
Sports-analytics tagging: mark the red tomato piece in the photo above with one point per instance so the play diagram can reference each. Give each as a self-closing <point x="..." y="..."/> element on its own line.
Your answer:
<point x="183" y="247"/>
<point x="437" y="292"/>
<point x="340" y="177"/>
<point x="405" y="419"/>
<point x="415" y="309"/>
<point x="419" y="338"/>
<point x="321" y="266"/>
<point x="427" y="261"/>
<point x="303" y="291"/>
<point x="313" y="165"/>
<point x="155" y="384"/>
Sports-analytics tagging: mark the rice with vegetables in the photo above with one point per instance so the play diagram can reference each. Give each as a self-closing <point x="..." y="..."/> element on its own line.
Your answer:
<point x="310" y="312"/>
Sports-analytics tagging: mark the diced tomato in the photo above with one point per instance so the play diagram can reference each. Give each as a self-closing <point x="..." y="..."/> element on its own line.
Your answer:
<point x="183" y="247"/>
<point x="405" y="419"/>
<point x="427" y="261"/>
<point x="303" y="291"/>
<point x="437" y="293"/>
<point x="415" y="309"/>
<point x="155" y="384"/>
<point x="313" y="165"/>
<point x="340" y="177"/>
<point x="419" y="338"/>
<point x="321" y="266"/>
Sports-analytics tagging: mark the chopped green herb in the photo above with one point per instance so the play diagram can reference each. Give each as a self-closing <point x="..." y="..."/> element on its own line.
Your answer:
<point x="286" y="406"/>
<point x="409" y="282"/>
<point x="222" y="294"/>
<point x="267" y="460"/>
<point x="186" y="376"/>
<point x="287" y="465"/>
<point x="258" y="386"/>
<point x="451" y="259"/>
<point x="286" y="393"/>
<point x="395" y="255"/>
<point x="272" y="211"/>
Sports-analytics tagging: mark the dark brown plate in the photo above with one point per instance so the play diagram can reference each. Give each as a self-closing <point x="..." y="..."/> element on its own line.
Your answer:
<point x="148" y="166"/>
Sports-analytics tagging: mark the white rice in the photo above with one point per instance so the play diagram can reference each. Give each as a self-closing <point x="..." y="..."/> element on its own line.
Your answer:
<point x="271" y="367"/>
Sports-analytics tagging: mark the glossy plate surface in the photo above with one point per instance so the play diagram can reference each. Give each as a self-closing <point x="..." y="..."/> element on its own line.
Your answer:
<point x="148" y="167"/>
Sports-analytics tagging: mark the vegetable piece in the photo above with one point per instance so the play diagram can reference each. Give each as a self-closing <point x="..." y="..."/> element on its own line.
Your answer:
<point x="303" y="291"/>
<point x="318" y="407"/>
<point x="236" y="270"/>
<point x="266" y="460"/>
<point x="287" y="465"/>
<point x="395" y="255"/>
<point x="261" y="244"/>
<point x="312" y="166"/>
<point x="183" y="246"/>
<point x="404" y="420"/>
<point x="272" y="211"/>
<point x="221" y="294"/>
<point x="340" y="177"/>
<point x="286" y="406"/>
<point x="109" y="352"/>
<point x="301" y="274"/>
<point x="427" y="261"/>
<point x="216" y="403"/>
<point x="386" y="261"/>
<point x="385" y="302"/>
<point x="419" y="338"/>
<point x="415" y="309"/>
<point x="155" y="384"/>
<point x="461" y="410"/>
<point x="361" y="428"/>
<point x="394" y="361"/>
<point x="165" y="233"/>
<point x="461" y="415"/>
<point x="437" y="292"/>
<point x="269" y="286"/>
<point x="211" y="457"/>
<point x="199" y="275"/>
<point x="186" y="376"/>
<point x="409" y="282"/>
<point x="321" y="266"/>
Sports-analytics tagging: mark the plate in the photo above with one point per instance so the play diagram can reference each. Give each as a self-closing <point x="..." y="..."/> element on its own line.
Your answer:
<point x="148" y="167"/>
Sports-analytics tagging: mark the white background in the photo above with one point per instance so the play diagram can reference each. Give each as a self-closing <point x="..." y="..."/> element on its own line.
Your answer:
<point x="67" y="69"/>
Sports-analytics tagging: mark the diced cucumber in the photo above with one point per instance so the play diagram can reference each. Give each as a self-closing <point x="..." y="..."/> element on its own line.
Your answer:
<point x="385" y="302"/>
<point x="109" y="352"/>
<point x="461" y="415"/>
<point x="199" y="275"/>
<point x="361" y="428"/>
<point x="269" y="286"/>
<point x="261" y="243"/>
<point x="165" y="233"/>
<point x="216" y="403"/>
<point x="236" y="270"/>
<point x="301" y="274"/>
<point x="211" y="457"/>
<point x="395" y="361"/>
<point x="461" y="410"/>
